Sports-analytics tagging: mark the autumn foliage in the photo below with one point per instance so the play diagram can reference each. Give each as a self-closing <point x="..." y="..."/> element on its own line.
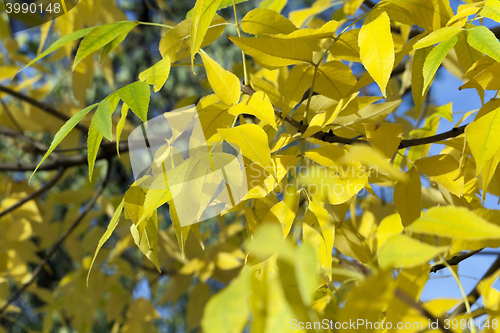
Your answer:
<point x="352" y="200"/>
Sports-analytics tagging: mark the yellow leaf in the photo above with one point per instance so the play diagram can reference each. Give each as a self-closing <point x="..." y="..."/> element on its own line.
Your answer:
<point x="198" y="298"/>
<point x="388" y="227"/>
<point x="203" y="13"/>
<point x="329" y="155"/>
<point x="377" y="49"/>
<point x="256" y="22"/>
<point x="368" y="300"/>
<point x="417" y="82"/>
<point x="252" y="141"/>
<point x="224" y="83"/>
<point x="229" y="310"/>
<point x="454" y="222"/>
<point x="490" y="10"/>
<point x="385" y="137"/>
<point x="273" y="53"/>
<point x="443" y="169"/>
<point x="488" y="172"/>
<point x="176" y="42"/>
<point x="406" y="252"/>
<point x="427" y="14"/>
<point x="408" y="197"/>
<point x="258" y="105"/>
<point x="482" y="136"/>
<point x="335" y="80"/>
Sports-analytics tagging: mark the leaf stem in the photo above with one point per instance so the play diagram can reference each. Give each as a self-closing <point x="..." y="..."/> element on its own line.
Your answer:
<point x="237" y="25"/>
<point x="156" y="24"/>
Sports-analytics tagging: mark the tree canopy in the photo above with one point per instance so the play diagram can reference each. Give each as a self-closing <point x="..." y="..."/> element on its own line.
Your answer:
<point x="248" y="166"/>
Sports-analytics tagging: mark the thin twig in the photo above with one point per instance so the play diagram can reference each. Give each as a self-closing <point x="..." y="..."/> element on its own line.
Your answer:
<point x="39" y="146"/>
<point x="35" y="194"/>
<point x="415" y="305"/>
<point x="47" y="108"/>
<point x="474" y="294"/>
<point x="454" y="261"/>
<point x="61" y="240"/>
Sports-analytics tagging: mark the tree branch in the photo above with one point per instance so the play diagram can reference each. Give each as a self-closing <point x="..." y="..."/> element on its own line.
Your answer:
<point x="47" y="108"/>
<point x="61" y="240"/>
<point x="35" y="194"/>
<point x="454" y="261"/>
<point x="423" y="311"/>
<point x="474" y="294"/>
<point x="332" y="138"/>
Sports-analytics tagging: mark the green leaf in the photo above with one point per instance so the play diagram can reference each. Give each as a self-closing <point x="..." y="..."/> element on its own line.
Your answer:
<point x="157" y="75"/>
<point x="106" y="49"/>
<point x="102" y="119"/>
<point x="203" y="13"/>
<point x="483" y="40"/>
<point x="63" y="131"/>
<point x="435" y="58"/>
<point x="109" y="230"/>
<point x="454" y="222"/>
<point x="136" y="95"/>
<point x="119" y="127"/>
<point x="93" y="143"/>
<point x="99" y="37"/>
<point x="437" y="37"/>
<point x="60" y="43"/>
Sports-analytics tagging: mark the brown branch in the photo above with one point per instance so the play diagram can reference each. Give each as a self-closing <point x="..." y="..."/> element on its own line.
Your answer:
<point x="35" y="194"/>
<point x="47" y="108"/>
<point x="423" y="311"/>
<point x="332" y="138"/>
<point x="454" y="261"/>
<point x="474" y="294"/>
<point x="39" y="146"/>
<point x="61" y="240"/>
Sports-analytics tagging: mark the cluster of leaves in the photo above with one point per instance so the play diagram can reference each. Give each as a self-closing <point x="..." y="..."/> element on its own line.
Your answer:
<point x="309" y="97"/>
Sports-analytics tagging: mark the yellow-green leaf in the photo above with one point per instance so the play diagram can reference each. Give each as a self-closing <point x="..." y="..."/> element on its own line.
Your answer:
<point x="109" y="230"/>
<point x="437" y="37"/>
<point x="224" y="83"/>
<point x="251" y="140"/>
<point x="228" y="311"/>
<point x="136" y="95"/>
<point x="257" y="22"/>
<point x="491" y="10"/>
<point x="203" y="13"/>
<point x="102" y="119"/>
<point x="258" y="105"/>
<point x="93" y="143"/>
<point x="435" y="58"/>
<point x="454" y="222"/>
<point x="99" y="37"/>
<point x="417" y="78"/>
<point x="145" y="236"/>
<point x="157" y="75"/>
<point x="119" y="126"/>
<point x="63" y="131"/>
<point x="60" y="43"/>
<point x="273" y="53"/>
<point x="377" y="49"/>
<point x="403" y="251"/>
<point x="483" y="137"/>
<point x="485" y="41"/>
